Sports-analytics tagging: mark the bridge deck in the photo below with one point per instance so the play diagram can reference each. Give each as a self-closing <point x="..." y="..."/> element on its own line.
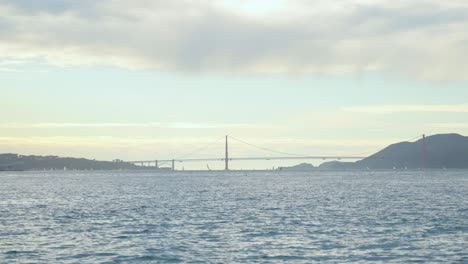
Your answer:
<point x="255" y="158"/>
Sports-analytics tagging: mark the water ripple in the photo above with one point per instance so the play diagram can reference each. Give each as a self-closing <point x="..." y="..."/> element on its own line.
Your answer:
<point x="187" y="217"/>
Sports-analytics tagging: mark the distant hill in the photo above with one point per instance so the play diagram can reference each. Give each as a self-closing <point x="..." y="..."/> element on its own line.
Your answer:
<point x="20" y="162"/>
<point x="300" y="167"/>
<point x="442" y="151"/>
<point x="332" y="165"/>
<point x="337" y="165"/>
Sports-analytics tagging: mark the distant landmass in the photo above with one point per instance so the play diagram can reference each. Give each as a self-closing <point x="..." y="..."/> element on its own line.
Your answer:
<point x="449" y="151"/>
<point x="300" y="167"/>
<point x="442" y="151"/>
<point x="25" y="163"/>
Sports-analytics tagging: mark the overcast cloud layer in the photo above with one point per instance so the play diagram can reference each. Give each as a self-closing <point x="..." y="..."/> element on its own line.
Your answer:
<point x="422" y="38"/>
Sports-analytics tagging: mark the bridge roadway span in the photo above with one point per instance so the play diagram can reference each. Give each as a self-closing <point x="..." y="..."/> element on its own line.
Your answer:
<point x="251" y="158"/>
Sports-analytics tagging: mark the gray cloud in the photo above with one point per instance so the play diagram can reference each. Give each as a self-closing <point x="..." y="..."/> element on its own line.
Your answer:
<point x="55" y="7"/>
<point x="422" y="38"/>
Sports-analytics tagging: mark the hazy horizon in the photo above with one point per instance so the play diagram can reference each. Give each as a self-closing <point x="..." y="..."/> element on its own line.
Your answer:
<point x="158" y="79"/>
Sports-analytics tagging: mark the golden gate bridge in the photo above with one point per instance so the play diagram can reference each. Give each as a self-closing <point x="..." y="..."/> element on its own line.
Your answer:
<point x="226" y="159"/>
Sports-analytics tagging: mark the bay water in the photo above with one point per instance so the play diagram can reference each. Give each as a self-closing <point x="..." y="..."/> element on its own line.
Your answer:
<point x="234" y="217"/>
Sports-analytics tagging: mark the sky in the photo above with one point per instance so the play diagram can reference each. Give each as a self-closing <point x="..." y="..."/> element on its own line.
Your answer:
<point x="141" y="79"/>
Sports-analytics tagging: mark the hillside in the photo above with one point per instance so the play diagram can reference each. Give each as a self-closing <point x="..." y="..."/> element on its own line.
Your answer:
<point x="19" y="162"/>
<point x="442" y="151"/>
<point x="300" y="167"/>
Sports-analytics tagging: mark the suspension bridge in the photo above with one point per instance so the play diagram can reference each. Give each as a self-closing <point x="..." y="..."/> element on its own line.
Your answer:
<point x="227" y="158"/>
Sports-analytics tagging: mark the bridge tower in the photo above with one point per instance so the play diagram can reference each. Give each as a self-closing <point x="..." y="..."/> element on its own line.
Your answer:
<point x="226" y="158"/>
<point x="424" y="150"/>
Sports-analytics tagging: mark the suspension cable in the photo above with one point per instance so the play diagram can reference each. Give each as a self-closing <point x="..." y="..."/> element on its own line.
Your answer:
<point x="200" y="149"/>
<point x="266" y="149"/>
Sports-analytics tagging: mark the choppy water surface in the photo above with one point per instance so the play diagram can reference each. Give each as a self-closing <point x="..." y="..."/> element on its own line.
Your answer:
<point x="112" y="217"/>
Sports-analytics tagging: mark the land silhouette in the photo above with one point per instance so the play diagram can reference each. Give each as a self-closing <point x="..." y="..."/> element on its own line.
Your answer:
<point x="25" y="163"/>
<point x="448" y="151"/>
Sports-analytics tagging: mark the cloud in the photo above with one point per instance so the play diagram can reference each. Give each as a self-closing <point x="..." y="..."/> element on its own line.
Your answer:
<point x="122" y="125"/>
<point x="451" y="125"/>
<point x="422" y="38"/>
<point x="9" y="70"/>
<point x="388" y="109"/>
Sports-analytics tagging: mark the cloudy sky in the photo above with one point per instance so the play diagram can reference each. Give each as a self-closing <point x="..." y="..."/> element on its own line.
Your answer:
<point x="145" y="79"/>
